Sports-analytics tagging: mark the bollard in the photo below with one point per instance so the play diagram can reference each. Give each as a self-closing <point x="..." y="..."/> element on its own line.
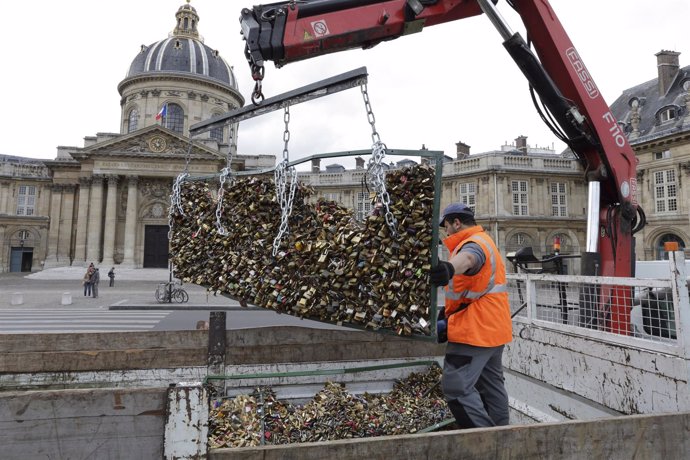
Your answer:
<point x="17" y="298"/>
<point x="66" y="298"/>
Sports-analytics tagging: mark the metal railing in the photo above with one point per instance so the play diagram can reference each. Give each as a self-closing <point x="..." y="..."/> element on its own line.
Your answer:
<point x="657" y="309"/>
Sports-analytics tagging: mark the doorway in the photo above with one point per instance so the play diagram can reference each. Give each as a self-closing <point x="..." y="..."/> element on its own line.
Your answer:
<point x="156" y="246"/>
<point x="21" y="259"/>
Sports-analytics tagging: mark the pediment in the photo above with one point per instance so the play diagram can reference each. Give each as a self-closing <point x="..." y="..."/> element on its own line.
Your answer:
<point x="152" y="142"/>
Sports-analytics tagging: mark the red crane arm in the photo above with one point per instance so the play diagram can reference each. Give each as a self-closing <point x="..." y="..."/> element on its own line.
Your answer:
<point x="296" y="30"/>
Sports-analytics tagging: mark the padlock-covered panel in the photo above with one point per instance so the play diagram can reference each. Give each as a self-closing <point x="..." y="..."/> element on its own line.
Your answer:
<point x="330" y="267"/>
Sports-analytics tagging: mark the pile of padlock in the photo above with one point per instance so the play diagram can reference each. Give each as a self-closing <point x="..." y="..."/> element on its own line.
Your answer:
<point x="334" y="413"/>
<point x="330" y="267"/>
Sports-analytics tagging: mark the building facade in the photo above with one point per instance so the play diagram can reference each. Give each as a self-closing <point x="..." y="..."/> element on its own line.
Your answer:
<point x="655" y="116"/>
<point x="107" y="201"/>
<point x="522" y="195"/>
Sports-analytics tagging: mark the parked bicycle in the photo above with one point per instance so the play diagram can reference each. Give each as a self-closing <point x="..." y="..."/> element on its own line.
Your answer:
<point x="172" y="291"/>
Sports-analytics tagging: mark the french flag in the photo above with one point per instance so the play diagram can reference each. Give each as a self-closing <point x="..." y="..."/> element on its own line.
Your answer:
<point x="163" y="112"/>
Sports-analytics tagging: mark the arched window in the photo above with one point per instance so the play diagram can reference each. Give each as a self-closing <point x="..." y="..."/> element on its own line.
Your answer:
<point x="517" y="241"/>
<point x="661" y="253"/>
<point x="174" y="118"/>
<point x="667" y="113"/>
<point x="23" y="238"/>
<point x="132" y="120"/>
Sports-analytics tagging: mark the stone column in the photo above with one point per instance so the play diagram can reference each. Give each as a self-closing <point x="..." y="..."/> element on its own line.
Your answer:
<point x="685" y="191"/>
<point x="501" y="191"/>
<point x="110" y="222"/>
<point x="54" y="230"/>
<point x="93" y="246"/>
<point x="482" y="197"/>
<point x="64" y="251"/>
<point x="131" y="222"/>
<point x="539" y="205"/>
<point x="4" y="197"/>
<point x="5" y="253"/>
<point x="82" y="221"/>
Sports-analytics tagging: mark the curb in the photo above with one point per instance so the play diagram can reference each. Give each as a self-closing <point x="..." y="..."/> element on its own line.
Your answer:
<point x="185" y="307"/>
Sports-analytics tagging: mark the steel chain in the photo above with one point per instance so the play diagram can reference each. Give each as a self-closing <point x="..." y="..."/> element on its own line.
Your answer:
<point x="176" y="201"/>
<point x="375" y="170"/>
<point x="280" y="174"/>
<point x="175" y="196"/>
<point x="225" y="173"/>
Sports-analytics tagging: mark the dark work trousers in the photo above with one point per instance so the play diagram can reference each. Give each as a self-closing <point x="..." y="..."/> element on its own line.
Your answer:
<point x="112" y="281"/>
<point x="473" y="385"/>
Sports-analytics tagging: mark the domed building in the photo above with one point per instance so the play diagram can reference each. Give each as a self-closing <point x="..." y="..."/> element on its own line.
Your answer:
<point x="107" y="202"/>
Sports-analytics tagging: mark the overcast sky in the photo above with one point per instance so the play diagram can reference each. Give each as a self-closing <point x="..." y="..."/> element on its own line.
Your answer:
<point x="452" y="82"/>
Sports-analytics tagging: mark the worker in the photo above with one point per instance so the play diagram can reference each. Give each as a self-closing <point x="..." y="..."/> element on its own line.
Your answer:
<point x="476" y="321"/>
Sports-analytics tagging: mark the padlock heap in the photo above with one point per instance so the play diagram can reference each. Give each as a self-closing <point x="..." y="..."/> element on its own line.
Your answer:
<point x="414" y="404"/>
<point x="330" y="267"/>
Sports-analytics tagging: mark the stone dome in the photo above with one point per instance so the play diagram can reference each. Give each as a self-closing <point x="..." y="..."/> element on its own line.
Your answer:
<point x="183" y="53"/>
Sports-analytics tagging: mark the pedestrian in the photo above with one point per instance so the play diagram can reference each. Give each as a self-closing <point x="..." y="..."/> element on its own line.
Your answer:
<point x="95" y="279"/>
<point x="86" y="280"/>
<point x="111" y="275"/>
<point x="475" y="321"/>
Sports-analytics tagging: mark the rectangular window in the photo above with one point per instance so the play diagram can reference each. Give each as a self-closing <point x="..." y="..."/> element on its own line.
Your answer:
<point x="26" y="200"/>
<point x="332" y="197"/>
<point x="468" y="195"/>
<point x="520" y="201"/>
<point x="665" y="191"/>
<point x="662" y="155"/>
<point x="363" y="205"/>
<point x="559" y="204"/>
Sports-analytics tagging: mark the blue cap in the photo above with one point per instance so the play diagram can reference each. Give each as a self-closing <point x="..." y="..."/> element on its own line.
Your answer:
<point x="455" y="208"/>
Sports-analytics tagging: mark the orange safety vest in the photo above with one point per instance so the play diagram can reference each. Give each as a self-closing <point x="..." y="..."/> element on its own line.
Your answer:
<point x="486" y="321"/>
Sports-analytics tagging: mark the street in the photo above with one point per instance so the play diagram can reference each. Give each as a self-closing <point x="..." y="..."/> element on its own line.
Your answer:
<point x="129" y="305"/>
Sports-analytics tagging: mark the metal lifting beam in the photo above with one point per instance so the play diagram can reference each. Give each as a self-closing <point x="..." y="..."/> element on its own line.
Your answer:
<point x="315" y="90"/>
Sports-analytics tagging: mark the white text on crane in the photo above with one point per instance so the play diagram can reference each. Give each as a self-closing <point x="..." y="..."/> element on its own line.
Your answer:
<point x="614" y="129"/>
<point x="582" y="73"/>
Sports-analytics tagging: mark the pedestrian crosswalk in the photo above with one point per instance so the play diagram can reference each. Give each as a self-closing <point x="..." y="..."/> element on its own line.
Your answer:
<point x="23" y="321"/>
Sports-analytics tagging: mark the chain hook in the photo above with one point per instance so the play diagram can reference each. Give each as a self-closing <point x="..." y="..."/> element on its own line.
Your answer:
<point x="258" y="76"/>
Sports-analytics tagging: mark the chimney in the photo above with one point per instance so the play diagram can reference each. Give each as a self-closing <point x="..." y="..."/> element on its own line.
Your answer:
<point x="521" y="144"/>
<point x="667" y="66"/>
<point x="463" y="150"/>
<point x="315" y="165"/>
<point x="359" y="163"/>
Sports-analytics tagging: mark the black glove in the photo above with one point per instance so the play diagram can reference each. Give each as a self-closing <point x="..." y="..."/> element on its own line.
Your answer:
<point x="442" y="330"/>
<point x="442" y="273"/>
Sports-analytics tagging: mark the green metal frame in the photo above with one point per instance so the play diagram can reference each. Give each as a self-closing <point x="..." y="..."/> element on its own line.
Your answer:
<point x="340" y="371"/>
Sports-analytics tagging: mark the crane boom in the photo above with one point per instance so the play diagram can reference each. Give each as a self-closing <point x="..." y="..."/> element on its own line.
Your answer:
<point x="291" y="31"/>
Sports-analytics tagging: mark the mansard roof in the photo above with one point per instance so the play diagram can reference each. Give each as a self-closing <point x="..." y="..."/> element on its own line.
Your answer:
<point x="650" y="104"/>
